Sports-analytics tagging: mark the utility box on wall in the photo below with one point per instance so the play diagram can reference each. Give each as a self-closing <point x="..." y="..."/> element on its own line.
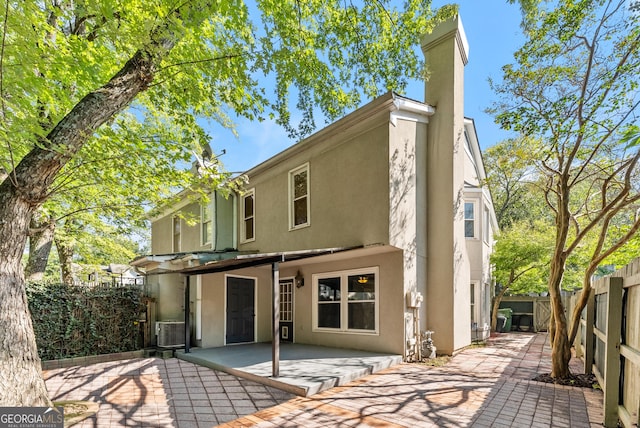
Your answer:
<point x="414" y="300"/>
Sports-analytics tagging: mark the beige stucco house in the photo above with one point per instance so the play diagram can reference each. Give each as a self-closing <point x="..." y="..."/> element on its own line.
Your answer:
<point x="375" y="228"/>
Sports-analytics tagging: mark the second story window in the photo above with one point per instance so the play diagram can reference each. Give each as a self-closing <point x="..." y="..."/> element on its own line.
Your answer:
<point x="469" y="220"/>
<point x="176" y="225"/>
<point x="248" y="216"/>
<point x="299" y="197"/>
<point x="206" y="224"/>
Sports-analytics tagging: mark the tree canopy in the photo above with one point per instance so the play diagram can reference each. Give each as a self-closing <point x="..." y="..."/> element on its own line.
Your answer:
<point x="574" y="88"/>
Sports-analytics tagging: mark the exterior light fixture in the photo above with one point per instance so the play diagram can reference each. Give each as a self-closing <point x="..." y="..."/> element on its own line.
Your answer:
<point x="299" y="280"/>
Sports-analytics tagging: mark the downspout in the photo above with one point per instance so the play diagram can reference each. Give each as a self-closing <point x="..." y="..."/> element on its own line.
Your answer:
<point x="275" y="334"/>
<point x="187" y="327"/>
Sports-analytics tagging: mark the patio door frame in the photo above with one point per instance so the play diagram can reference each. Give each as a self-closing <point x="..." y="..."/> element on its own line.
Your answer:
<point x="226" y="307"/>
<point x="286" y="326"/>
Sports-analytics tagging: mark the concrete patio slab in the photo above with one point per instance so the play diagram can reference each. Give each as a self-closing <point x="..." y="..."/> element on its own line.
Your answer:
<point x="304" y="369"/>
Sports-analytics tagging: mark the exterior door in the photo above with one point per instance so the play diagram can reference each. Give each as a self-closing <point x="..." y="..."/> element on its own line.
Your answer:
<point x="240" y="310"/>
<point x="286" y="310"/>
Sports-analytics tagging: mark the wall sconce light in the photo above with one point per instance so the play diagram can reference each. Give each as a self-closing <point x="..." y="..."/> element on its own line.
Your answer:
<point x="299" y="280"/>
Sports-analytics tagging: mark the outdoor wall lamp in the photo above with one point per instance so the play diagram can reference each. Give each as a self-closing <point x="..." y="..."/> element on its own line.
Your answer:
<point x="299" y="280"/>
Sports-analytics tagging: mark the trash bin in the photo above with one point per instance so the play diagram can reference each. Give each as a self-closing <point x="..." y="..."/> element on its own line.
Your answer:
<point x="507" y="313"/>
<point x="524" y="324"/>
<point x="500" y="323"/>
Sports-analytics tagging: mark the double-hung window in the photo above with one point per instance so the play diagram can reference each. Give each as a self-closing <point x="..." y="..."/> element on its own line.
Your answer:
<point x="469" y="220"/>
<point x="248" y="227"/>
<point x="299" y="197"/>
<point x="206" y="224"/>
<point x="346" y="301"/>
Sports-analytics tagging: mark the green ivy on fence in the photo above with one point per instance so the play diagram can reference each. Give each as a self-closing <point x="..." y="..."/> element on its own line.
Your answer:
<point x="77" y="321"/>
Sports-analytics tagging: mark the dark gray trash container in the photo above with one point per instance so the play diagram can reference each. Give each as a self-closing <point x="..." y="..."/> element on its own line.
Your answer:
<point x="501" y="321"/>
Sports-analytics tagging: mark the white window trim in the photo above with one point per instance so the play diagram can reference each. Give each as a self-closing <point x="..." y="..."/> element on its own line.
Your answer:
<point x="243" y="231"/>
<point x="203" y="208"/>
<point x="293" y="293"/>
<point x="486" y="224"/>
<point x="344" y="302"/>
<point x="173" y="234"/>
<point x="476" y="292"/>
<point x="475" y="220"/>
<point x="292" y="173"/>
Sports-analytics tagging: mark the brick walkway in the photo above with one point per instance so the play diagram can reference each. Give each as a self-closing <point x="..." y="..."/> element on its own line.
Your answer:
<point x="153" y="392"/>
<point x="480" y="387"/>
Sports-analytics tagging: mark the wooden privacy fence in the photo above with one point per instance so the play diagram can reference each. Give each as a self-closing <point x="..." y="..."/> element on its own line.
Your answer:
<point x="608" y="340"/>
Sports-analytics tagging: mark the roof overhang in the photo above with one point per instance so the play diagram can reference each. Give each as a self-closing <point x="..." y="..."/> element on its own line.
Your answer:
<point x="254" y="260"/>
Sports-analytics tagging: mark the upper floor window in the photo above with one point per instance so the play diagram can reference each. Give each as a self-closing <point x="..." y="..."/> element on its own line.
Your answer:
<point x="299" y="197"/>
<point x="206" y="224"/>
<point x="248" y="216"/>
<point x="469" y="220"/>
<point x="176" y="226"/>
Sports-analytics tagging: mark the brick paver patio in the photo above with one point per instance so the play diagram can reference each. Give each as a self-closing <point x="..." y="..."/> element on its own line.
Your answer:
<point x="480" y="387"/>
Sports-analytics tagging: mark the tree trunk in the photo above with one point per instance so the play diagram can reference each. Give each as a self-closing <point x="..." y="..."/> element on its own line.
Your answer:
<point x="25" y="188"/>
<point x="560" y="346"/>
<point x="40" y="243"/>
<point x="21" y="381"/>
<point x="65" y="254"/>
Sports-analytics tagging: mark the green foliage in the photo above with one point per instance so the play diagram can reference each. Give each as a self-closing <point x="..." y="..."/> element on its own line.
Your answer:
<point x="328" y="54"/>
<point x="75" y="321"/>
<point x="574" y="88"/>
<point x="521" y="257"/>
<point x="530" y="10"/>
<point x="514" y="181"/>
<point x="324" y="57"/>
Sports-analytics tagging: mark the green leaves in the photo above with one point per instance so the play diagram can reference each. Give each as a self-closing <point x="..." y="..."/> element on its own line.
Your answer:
<point x="521" y="256"/>
<point x="76" y="321"/>
<point x="214" y="60"/>
<point x="631" y="137"/>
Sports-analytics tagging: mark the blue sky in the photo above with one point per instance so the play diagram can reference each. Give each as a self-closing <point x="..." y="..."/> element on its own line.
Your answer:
<point x="493" y="32"/>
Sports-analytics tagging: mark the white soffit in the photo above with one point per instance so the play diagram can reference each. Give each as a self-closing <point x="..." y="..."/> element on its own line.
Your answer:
<point x="410" y="110"/>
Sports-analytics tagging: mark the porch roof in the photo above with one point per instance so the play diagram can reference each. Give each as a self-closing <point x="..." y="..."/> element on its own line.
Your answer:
<point x="252" y="260"/>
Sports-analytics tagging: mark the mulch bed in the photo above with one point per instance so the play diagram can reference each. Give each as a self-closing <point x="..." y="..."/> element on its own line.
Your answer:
<point x="579" y="380"/>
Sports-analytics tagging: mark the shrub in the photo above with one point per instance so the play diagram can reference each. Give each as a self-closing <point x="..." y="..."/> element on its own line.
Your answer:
<point x="76" y="321"/>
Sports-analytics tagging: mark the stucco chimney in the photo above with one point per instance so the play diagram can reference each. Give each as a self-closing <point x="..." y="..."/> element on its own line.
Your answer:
<point x="448" y="276"/>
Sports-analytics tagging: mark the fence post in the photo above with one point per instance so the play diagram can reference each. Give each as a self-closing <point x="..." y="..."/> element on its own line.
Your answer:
<point x="588" y="333"/>
<point x="612" y="352"/>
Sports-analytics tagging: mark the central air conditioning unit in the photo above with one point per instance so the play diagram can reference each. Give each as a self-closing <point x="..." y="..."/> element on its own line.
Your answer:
<point x="170" y="333"/>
